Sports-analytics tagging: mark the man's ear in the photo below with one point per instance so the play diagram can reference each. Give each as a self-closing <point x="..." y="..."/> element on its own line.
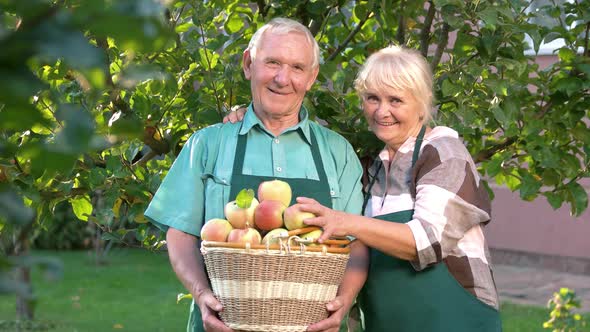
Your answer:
<point x="246" y="64"/>
<point x="312" y="79"/>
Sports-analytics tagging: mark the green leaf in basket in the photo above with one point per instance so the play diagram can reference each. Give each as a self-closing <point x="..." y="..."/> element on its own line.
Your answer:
<point x="244" y="198"/>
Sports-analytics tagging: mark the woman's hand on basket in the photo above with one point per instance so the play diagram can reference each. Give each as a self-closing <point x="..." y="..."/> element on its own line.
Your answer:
<point x="337" y="311"/>
<point x="333" y="223"/>
<point x="209" y="307"/>
<point x="236" y="114"/>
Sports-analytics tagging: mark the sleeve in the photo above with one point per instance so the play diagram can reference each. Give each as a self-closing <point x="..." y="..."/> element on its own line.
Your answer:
<point x="450" y="201"/>
<point x="179" y="201"/>
<point x="350" y="182"/>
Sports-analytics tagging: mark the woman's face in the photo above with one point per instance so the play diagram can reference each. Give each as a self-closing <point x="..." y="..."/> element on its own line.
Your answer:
<point x="393" y="115"/>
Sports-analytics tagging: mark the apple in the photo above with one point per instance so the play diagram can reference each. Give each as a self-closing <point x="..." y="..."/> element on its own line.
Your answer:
<point x="275" y="190"/>
<point x="240" y="217"/>
<point x="216" y="230"/>
<point x="272" y="237"/>
<point x="269" y="215"/>
<point x="312" y="237"/>
<point x="293" y="217"/>
<point x="244" y="235"/>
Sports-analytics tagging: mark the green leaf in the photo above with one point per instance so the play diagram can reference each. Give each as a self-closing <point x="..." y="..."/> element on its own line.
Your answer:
<point x="21" y="116"/>
<point x="569" y="85"/>
<point x="555" y="200"/>
<point x="184" y="27"/>
<point x="244" y="198"/>
<point x="82" y="207"/>
<point x="577" y="197"/>
<point x="490" y="17"/>
<point x="12" y="207"/>
<point x="566" y="55"/>
<point x="182" y="296"/>
<point x="77" y="132"/>
<point x="529" y="187"/>
<point x="234" y="23"/>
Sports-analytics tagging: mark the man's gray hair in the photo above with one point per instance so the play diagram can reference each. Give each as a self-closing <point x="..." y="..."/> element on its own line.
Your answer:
<point x="280" y="25"/>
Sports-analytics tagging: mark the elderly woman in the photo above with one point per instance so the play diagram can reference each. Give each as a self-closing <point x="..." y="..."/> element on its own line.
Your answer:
<point x="425" y="209"/>
<point x="430" y="267"/>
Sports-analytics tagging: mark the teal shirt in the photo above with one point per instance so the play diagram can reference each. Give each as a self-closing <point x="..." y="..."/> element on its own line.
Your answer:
<point x="197" y="185"/>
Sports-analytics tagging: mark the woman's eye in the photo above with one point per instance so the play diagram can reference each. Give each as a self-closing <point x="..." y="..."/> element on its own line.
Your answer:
<point x="372" y="98"/>
<point x="394" y="100"/>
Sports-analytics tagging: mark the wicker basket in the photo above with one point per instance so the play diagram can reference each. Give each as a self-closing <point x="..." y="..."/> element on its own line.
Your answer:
<point x="273" y="288"/>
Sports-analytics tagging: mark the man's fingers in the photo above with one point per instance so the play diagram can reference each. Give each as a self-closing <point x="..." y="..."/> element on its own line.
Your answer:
<point x="334" y="305"/>
<point x="311" y="207"/>
<point x="213" y="303"/>
<point x="306" y="200"/>
<point x="324" y="325"/>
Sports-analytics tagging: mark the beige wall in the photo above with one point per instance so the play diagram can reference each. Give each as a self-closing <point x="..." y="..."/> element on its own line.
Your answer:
<point x="534" y="227"/>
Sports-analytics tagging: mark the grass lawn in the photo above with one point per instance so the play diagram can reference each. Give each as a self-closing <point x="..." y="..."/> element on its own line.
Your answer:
<point x="136" y="291"/>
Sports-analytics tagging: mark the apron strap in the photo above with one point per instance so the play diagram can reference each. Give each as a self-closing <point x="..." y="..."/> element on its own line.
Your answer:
<point x="415" y="155"/>
<point x="315" y="153"/>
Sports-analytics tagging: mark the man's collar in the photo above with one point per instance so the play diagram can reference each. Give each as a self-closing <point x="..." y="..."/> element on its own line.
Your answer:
<point x="250" y="120"/>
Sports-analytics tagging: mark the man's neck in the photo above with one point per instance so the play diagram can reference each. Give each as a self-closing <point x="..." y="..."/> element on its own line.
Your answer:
<point x="277" y="124"/>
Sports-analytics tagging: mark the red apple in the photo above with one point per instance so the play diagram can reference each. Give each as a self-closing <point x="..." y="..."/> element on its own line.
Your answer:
<point x="216" y="230"/>
<point x="293" y="217"/>
<point x="273" y="236"/>
<point x="239" y="217"/>
<point x="244" y="235"/>
<point x="269" y="215"/>
<point x="275" y="190"/>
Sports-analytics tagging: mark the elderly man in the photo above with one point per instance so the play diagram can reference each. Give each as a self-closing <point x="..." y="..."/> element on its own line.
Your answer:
<point x="275" y="140"/>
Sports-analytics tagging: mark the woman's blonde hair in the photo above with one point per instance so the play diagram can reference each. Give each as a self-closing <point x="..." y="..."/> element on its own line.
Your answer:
<point x="398" y="68"/>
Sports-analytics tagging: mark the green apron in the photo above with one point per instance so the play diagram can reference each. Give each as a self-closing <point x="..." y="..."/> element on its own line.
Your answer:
<point x="396" y="297"/>
<point x="316" y="189"/>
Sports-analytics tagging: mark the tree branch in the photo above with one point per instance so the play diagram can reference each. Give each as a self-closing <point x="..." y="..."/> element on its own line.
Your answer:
<point x="442" y="44"/>
<point x="48" y="195"/>
<point x="145" y="158"/>
<point x="490" y="151"/>
<point x="262" y="8"/>
<point x="350" y="36"/>
<point x="425" y="33"/>
<point x="586" y="41"/>
<point x="401" y="26"/>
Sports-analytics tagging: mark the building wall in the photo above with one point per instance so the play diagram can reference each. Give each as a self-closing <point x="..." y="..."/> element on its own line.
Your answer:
<point x="534" y="227"/>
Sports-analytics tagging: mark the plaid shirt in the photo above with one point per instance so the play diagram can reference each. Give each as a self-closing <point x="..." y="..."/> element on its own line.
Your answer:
<point x="450" y="204"/>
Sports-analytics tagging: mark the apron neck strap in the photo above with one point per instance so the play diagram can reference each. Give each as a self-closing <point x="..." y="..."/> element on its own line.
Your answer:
<point x="417" y="147"/>
<point x="315" y="152"/>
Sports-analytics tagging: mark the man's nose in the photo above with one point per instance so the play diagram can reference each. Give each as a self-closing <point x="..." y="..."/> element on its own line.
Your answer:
<point x="282" y="75"/>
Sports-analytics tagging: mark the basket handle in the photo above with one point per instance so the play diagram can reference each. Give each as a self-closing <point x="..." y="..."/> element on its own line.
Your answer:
<point x="332" y="250"/>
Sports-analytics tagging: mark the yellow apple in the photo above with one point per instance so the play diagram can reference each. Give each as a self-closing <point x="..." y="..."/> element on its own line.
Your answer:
<point x="239" y="217"/>
<point x="273" y="236"/>
<point x="275" y="190"/>
<point x="312" y="237"/>
<point x="293" y="217"/>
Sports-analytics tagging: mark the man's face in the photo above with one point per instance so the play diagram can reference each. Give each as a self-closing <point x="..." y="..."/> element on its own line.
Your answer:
<point x="280" y="75"/>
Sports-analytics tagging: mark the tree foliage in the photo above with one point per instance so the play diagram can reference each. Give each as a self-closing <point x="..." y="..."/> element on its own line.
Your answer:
<point x="97" y="97"/>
